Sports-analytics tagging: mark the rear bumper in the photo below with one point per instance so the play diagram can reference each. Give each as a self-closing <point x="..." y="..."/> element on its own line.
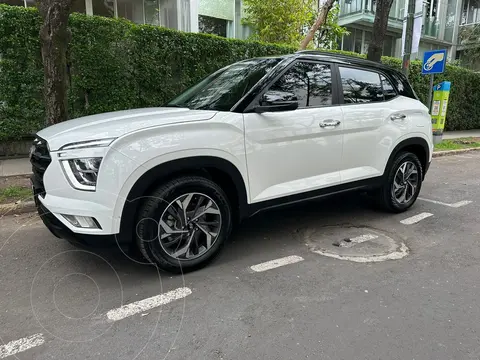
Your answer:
<point x="61" y="231"/>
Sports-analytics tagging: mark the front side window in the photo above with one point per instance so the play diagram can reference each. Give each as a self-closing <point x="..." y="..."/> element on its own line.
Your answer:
<point x="360" y="86"/>
<point x="223" y="89"/>
<point x="310" y="83"/>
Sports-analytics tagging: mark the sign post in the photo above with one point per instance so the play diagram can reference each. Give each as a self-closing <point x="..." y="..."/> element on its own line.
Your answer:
<point x="433" y="63"/>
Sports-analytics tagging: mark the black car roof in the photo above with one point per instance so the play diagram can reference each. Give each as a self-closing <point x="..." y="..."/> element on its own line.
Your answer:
<point x="335" y="57"/>
<point x="340" y="58"/>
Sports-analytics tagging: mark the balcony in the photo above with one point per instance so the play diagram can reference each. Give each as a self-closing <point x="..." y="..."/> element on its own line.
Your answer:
<point x="363" y="11"/>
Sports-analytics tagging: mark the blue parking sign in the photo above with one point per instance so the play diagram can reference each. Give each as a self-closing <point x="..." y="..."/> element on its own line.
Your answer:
<point x="434" y="62"/>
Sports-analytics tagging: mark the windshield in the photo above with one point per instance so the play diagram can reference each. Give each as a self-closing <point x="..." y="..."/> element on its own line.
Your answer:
<point x="224" y="88"/>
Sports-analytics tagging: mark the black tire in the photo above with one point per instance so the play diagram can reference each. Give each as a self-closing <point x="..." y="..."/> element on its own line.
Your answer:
<point x="153" y="208"/>
<point x="385" y="198"/>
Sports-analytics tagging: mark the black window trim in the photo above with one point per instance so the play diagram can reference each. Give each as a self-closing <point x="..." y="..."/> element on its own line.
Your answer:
<point x="250" y="96"/>
<point x="393" y="87"/>
<point x="335" y="100"/>
<point x="364" y="68"/>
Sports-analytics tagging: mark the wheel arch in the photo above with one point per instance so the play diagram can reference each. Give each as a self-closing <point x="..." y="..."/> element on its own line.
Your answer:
<point x="219" y="170"/>
<point x="418" y="146"/>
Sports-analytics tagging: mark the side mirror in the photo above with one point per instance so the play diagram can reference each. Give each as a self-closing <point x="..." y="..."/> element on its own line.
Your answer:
<point x="273" y="101"/>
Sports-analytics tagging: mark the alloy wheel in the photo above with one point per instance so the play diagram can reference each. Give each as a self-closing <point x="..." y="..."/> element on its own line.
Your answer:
<point x="405" y="182"/>
<point x="189" y="226"/>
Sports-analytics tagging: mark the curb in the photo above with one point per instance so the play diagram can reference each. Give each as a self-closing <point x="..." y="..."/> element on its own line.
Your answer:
<point x="453" y="152"/>
<point x="17" y="208"/>
<point x="26" y="176"/>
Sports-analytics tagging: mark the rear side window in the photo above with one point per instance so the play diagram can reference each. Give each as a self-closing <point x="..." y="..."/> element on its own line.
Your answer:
<point x="310" y="83"/>
<point x="403" y="86"/>
<point x="360" y="86"/>
<point x="388" y="89"/>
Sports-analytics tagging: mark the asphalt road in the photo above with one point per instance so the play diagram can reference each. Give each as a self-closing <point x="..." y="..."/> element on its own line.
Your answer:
<point x="57" y="302"/>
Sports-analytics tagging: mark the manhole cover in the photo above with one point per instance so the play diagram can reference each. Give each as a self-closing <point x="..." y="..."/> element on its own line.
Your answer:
<point x="359" y="244"/>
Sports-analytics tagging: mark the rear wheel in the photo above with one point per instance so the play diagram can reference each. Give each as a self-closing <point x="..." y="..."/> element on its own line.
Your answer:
<point x="403" y="183"/>
<point x="183" y="224"/>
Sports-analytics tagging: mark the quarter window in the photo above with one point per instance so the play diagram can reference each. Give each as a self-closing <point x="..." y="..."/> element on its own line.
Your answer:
<point x="360" y="86"/>
<point x="388" y="89"/>
<point x="310" y="83"/>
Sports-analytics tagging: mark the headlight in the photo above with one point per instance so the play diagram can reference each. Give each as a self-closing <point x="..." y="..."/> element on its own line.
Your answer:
<point x="87" y="144"/>
<point x="82" y="173"/>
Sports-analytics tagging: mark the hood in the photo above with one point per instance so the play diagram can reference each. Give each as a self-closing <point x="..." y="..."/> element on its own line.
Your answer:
<point x="116" y="124"/>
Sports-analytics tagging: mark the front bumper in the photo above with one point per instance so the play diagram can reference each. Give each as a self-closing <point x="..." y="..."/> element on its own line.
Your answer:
<point x="60" y="230"/>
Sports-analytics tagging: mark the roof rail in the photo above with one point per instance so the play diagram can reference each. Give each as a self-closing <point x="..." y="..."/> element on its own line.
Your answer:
<point x="337" y="55"/>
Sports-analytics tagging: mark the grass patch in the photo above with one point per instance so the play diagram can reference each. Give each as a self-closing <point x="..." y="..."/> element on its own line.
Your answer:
<point x="14" y="193"/>
<point x="457" y="144"/>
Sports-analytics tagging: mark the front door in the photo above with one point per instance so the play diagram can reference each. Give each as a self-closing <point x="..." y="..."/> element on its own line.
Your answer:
<point x="291" y="152"/>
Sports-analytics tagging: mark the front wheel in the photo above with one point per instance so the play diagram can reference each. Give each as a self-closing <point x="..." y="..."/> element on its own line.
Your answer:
<point x="183" y="224"/>
<point x="403" y="183"/>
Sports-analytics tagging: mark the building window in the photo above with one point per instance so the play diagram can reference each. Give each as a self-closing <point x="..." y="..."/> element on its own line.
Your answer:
<point x="103" y="8"/>
<point x="168" y="14"/>
<point x="78" y="6"/>
<point x="151" y="10"/>
<point x="131" y="10"/>
<point x="211" y="25"/>
<point x="358" y="41"/>
<point x="154" y="12"/>
<point x="13" y="2"/>
<point x="348" y="40"/>
<point x="388" y="46"/>
<point x="471" y="12"/>
<point x="185" y="15"/>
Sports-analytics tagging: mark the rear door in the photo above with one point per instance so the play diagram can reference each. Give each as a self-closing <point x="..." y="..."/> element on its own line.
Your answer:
<point x="374" y="118"/>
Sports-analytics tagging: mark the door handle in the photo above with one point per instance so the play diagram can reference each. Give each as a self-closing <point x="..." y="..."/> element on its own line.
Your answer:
<point x="398" y="117"/>
<point x="329" y="123"/>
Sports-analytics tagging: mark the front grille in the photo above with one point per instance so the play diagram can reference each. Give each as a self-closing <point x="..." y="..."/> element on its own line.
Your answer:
<point x="40" y="159"/>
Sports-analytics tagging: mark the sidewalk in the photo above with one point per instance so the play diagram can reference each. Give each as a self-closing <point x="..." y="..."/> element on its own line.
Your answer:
<point x="449" y="135"/>
<point x="14" y="167"/>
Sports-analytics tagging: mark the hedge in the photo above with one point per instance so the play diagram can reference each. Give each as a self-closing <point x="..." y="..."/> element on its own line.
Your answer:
<point x="115" y="64"/>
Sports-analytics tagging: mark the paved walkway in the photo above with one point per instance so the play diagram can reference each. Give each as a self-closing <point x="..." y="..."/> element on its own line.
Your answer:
<point x="448" y="135"/>
<point x="22" y="166"/>
<point x="13" y="167"/>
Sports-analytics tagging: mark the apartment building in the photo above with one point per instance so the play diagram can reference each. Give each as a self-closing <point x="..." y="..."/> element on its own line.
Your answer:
<point x="443" y="20"/>
<point x="220" y="17"/>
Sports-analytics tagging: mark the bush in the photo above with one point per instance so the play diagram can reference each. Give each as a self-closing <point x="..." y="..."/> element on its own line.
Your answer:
<point x="115" y="64"/>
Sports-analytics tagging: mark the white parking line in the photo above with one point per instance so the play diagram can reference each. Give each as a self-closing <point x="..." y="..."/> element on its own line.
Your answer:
<point x="363" y="238"/>
<point x="357" y="240"/>
<point x="272" y="264"/>
<point x="454" y="205"/>
<point x="415" y="219"/>
<point x="147" y="304"/>
<point x="20" y="345"/>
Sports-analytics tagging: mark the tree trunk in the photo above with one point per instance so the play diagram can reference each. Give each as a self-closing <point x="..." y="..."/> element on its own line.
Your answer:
<point x="54" y="39"/>
<point x="375" y="48"/>
<point x="321" y="20"/>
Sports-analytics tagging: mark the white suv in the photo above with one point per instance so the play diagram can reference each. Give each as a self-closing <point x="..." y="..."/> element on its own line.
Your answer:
<point x="254" y="135"/>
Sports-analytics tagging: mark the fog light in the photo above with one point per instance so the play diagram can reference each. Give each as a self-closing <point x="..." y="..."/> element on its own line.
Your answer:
<point x="82" y="221"/>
